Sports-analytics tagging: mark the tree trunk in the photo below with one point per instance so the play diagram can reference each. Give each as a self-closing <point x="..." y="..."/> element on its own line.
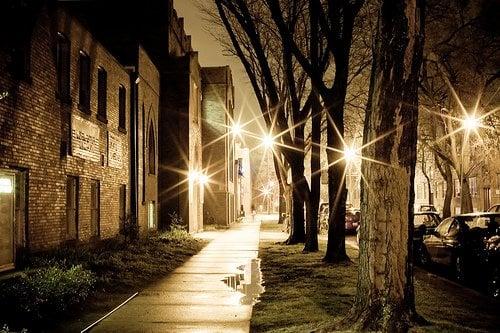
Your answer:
<point x="429" y="187"/>
<point x="299" y="192"/>
<point x="337" y="193"/>
<point x="385" y="296"/>
<point x="465" y="198"/>
<point x="445" y="171"/>
<point x="282" y="204"/>
<point x="312" y="227"/>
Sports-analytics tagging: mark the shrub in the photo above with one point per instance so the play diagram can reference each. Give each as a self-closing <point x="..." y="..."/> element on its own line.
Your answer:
<point x="43" y="292"/>
<point x="130" y="228"/>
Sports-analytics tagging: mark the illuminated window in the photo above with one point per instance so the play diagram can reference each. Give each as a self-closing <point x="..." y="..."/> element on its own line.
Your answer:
<point x="6" y="185"/>
<point x="84" y="91"/>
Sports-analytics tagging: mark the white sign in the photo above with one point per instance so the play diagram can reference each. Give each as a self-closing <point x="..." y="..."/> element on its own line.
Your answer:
<point x="115" y="151"/>
<point x="85" y="139"/>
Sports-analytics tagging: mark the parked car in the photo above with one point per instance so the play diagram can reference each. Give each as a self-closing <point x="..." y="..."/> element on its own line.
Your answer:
<point x="463" y="243"/>
<point x="494" y="208"/>
<point x="424" y="223"/>
<point x="490" y="258"/>
<point x="427" y="208"/>
<point x="352" y="220"/>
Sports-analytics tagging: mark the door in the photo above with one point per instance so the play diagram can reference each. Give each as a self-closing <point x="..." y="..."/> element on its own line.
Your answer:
<point x="7" y="206"/>
<point x="487" y="198"/>
<point x="71" y="208"/>
<point x="95" y="208"/>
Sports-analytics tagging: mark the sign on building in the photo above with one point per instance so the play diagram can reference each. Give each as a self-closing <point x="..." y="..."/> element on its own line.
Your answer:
<point x="115" y="151"/>
<point x="85" y="139"/>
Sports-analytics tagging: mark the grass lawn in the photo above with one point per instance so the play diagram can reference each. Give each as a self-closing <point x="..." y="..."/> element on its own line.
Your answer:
<point x="303" y="294"/>
<point x="118" y="270"/>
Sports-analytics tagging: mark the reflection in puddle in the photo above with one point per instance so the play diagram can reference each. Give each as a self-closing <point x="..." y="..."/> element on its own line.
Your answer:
<point x="249" y="282"/>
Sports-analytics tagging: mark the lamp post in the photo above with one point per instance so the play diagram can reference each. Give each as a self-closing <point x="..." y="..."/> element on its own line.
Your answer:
<point x="469" y="123"/>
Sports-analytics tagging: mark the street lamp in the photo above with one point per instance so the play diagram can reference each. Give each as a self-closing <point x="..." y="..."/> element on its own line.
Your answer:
<point x="236" y="129"/>
<point x="268" y="141"/>
<point x="203" y="179"/>
<point x="469" y="123"/>
<point x="350" y="154"/>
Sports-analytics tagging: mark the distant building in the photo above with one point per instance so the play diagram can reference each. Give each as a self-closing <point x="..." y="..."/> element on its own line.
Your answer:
<point x="218" y="145"/>
<point x="483" y="182"/>
<point x="64" y="136"/>
<point x="243" y="188"/>
<point x="181" y="147"/>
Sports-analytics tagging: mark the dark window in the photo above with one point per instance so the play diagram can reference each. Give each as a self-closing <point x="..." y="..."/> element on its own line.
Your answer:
<point x="122" y="95"/>
<point x="63" y="64"/>
<point x="22" y="60"/>
<point x="152" y="150"/>
<point x="95" y="205"/>
<point x="84" y="98"/>
<point x="123" y="203"/>
<point x="102" y="92"/>
<point x="71" y="208"/>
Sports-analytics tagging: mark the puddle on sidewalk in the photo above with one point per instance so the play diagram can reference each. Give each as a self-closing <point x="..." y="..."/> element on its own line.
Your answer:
<point x="248" y="282"/>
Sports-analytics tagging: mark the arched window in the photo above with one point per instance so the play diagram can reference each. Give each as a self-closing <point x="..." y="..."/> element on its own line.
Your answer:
<point x="151" y="150"/>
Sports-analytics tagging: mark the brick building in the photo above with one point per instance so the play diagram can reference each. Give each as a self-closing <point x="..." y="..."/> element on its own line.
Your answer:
<point x="218" y="145"/>
<point x="64" y="143"/>
<point x="161" y="33"/>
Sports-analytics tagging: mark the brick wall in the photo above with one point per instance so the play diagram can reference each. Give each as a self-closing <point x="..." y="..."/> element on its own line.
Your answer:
<point x="218" y="143"/>
<point x="149" y="100"/>
<point x="34" y="125"/>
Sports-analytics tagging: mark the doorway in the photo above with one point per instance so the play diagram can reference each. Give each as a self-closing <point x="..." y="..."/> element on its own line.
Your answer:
<point x="487" y="198"/>
<point x="7" y="219"/>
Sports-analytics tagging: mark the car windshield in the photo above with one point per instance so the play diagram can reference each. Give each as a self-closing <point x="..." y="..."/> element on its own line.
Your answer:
<point x="425" y="219"/>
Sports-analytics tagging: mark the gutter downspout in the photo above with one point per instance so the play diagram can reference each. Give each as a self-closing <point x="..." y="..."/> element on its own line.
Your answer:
<point x="134" y="158"/>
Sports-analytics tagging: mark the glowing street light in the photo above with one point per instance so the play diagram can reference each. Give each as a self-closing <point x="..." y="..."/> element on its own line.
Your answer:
<point x="236" y="129"/>
<point x="193" y="176"/>
<point x="350" y="155"/>
<point x="471" y="123"/>
<point x="203" y="179"/>
<point x="268" y="141"/>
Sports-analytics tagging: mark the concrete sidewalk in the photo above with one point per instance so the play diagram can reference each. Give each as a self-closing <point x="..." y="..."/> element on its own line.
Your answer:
<point x="212" y="292"/>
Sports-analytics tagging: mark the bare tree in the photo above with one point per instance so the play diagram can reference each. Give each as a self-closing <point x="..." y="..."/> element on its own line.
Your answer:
<point x="385" y="296"/>
<point x="336" y="22"/>
<point x="460" y="80"/>
<point x="281" y="88"/>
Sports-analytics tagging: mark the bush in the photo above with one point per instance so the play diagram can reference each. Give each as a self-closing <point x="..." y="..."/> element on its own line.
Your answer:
<point x="43" y="292"/>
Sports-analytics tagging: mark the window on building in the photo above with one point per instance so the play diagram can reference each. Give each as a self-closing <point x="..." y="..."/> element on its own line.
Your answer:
<point x="151" y="150"/>
<point x="71" y="208"/>
<point x="63" y="66"/>
<point x="22" y="59"/>
<point x="84" y="91"/>
<point x="196" y="104"/>
<point x="122" y="96"/>
<point x="123" y="204"/>
<point x="473" y="186"/>
<point x="102" y="93"/>
<point x="457" y="187"/>
<point x="95" y="208"/>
